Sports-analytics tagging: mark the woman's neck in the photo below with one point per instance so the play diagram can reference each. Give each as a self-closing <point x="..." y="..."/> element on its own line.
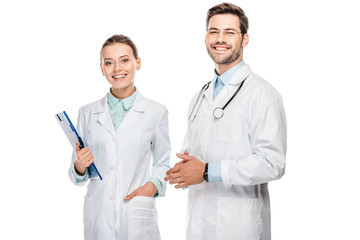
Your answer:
<point x="123" y="93"/>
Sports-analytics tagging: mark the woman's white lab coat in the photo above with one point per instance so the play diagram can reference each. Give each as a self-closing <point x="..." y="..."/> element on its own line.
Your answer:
<point x="124" y="160"/>
<point x="250" y="143"/>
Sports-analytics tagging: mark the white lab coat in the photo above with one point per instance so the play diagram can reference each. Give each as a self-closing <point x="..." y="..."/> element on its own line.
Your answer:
<point x="124" y="160"/>
<point x="250" y="142"/>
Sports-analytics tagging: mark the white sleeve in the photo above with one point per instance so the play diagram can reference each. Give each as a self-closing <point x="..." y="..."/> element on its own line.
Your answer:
<point x="161" y="150"/>
<point x="268" y="140"/>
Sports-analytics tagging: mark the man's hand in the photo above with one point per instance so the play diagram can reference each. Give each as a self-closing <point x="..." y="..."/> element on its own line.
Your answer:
<point x="187" y="172"/>
<point x="148" y="190"/>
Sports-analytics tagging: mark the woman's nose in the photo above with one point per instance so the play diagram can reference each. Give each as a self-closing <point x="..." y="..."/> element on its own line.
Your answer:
<point x="117" y="66"/>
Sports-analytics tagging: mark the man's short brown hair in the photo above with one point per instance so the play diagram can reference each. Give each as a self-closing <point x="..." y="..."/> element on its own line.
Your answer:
<point x="229" y="8"/>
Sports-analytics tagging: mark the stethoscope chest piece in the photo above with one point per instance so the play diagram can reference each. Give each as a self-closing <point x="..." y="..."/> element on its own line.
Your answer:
<point x="218" y="112"/>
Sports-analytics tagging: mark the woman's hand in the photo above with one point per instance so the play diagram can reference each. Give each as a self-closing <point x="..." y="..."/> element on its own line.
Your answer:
<point x="84" y="159"/>
<point x="148" y="190"/>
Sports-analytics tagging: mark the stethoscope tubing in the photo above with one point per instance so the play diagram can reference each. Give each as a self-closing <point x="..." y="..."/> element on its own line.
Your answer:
<point x="203" y="89"/>
<point x="219" y="111"/>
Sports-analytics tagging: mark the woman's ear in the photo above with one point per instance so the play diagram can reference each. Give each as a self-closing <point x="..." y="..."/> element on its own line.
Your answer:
<point x="102" y="70"/>
<point x="138" y="63"/>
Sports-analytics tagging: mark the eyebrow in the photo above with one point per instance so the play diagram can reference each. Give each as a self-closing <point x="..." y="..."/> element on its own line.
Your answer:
<point x="219" y="29"/>
<point x="119" y="57"/>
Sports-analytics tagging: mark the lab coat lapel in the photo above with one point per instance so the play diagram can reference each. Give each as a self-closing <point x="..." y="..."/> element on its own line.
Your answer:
<point x="209" y="93"/>
<point x="231" y="87"/>
<point x="104" y="116"/>
<point x="135" y="112"/>
<point x="238" y="77"/>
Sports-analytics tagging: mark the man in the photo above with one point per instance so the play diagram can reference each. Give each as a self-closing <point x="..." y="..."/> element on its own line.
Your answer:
<point x="235" y="142"/>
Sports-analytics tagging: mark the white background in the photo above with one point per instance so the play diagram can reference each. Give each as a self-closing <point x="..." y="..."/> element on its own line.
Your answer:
<point x="308" y="50"/>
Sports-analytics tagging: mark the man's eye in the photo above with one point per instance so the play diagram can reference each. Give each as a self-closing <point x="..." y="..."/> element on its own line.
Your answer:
<point x="125" y="60"/>
<point x="230" y="33"/>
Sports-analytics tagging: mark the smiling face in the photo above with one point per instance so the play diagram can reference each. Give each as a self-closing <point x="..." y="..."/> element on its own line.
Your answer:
<point x="119" y="65"/>
<point x="224" y="41"/>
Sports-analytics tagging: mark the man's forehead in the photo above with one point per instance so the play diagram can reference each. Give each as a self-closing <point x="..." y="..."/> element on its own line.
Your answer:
<point x="224" y="21"/>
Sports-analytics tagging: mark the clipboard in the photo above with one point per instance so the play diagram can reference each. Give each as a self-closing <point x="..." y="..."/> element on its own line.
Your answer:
<point x="73" y="137"/>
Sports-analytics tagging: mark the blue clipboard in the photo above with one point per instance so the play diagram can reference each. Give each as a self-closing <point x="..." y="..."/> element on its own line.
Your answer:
<point x="71" y="133"/>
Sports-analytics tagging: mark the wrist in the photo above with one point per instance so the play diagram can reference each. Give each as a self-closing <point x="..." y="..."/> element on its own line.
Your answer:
<point x="79" y="171"/>
<point x="152" y="187"/>
<point x="205" y="174"/>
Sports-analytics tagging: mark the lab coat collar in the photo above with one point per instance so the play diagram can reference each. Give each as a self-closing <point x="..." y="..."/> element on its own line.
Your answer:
<point x="135" y="112"/>
<point x="236" y="80"/>
<point x="240" y="75"/>
<point x="227" y="76"/>
<point x="127" y="103"/>
<point x="105" y="119"/>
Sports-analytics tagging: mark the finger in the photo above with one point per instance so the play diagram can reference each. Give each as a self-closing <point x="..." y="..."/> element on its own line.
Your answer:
<point x="84" y="153"/>
<point x="186" y="153"/>
<point x="88" y="157"/>
<point x="179" y="163"/>
<point x="184" y="156"/>
<point x="77" y="146"/>
<point x="176" y="180"/>
<point x="181" y="185"/>
<point x="88" y="163"/>
<point x="130" y="196"/>
<point x="174" y="176"/>
<point x="173" y="170"/>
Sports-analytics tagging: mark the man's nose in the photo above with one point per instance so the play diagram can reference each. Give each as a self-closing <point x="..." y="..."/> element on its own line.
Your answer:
<point x="221" y="37"/>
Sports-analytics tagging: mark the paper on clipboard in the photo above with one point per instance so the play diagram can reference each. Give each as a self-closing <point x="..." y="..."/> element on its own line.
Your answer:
<point x="73" y="137"/>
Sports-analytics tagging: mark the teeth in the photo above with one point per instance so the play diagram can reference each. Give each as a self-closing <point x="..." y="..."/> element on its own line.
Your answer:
<point x="120" y="76"/>
<point x="220" y="48"/>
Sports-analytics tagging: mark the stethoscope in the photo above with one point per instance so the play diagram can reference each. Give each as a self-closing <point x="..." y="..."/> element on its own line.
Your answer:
<point x="219" y="111"/>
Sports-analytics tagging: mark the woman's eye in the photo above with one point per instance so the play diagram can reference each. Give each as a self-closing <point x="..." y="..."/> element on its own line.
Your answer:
<point x="125" y="60"/>
<point x="108" y="63"/>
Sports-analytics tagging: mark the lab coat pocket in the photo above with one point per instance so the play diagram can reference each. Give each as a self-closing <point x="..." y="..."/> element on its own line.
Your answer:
<point x="87" y="218"/>
<point x="143" y="219"/>
<point x="238" y="219"/>
<point x="231" y="127"/>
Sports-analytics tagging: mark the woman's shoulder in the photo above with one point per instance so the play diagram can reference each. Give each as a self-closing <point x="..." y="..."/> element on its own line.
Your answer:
<point x="96" y="106"/>
<point x="149" y="104"/>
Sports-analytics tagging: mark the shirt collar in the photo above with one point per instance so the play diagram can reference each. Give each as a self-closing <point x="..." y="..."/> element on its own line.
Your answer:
<point x="127" y="103"/>
<point x="226" y="76"/>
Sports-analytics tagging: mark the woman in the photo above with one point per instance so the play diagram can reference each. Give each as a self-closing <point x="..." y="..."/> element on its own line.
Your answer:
<point x="122" y="131"/>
